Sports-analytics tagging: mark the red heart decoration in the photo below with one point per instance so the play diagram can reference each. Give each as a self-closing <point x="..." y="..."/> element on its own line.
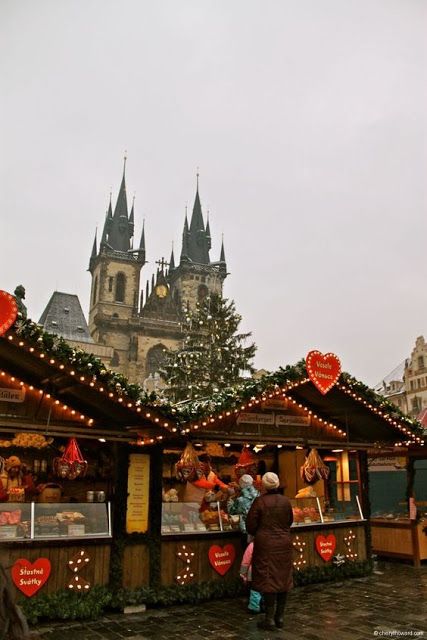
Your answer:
<point x="222" y="558"/>
<point x="325" y="546"/>
<point x="28" y="576"/>
<point x="8" y="311"/>
<point x="323" y="370"/>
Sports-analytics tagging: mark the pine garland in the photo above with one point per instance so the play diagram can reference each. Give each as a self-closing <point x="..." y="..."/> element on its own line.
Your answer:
<point x="228" y="398"/>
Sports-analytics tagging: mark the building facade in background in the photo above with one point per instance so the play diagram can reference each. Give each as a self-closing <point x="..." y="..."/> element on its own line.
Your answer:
<point x="131" y="327"/>
<point x="406" y="386"/>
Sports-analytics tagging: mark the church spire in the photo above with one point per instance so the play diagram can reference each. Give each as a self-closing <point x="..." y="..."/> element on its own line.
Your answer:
<point x="141" y="249"/>
<point x="196" y="223"/>
<point x="198" y="241"/>
<point x="208" y="233"/>
<point x="222" y="262"/>
<point x="185" y="233"/>
<point x="94" y="252"/>
<point x="132" y="216"/>
<point x="107" y="225"/>
<point x="121" y="232"/>
<point x="172" y="261"/>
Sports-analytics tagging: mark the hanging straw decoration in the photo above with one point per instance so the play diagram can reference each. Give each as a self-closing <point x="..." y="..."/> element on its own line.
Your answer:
<point x="71" y="464"/>
<point x="314" y="468"/>
<point x="187" y="469"/>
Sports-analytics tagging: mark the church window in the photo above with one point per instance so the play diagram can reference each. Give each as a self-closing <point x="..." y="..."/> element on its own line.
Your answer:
<point x="115" y="360"/>
<point x="115" y="315"/>
<point x="420" y="362"/>
<point x="95" y="290"/>
<point x="155" y="358"/>
<point x="133" y="349"/>
<point x="202" y="292"/>
<point x="203" y="279"/>
<point x="110" y="283"/>
<point x="120" y="287"/>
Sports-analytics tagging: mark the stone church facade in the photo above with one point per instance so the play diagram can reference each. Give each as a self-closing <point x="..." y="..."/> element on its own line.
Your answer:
<point x="139" y="326"/>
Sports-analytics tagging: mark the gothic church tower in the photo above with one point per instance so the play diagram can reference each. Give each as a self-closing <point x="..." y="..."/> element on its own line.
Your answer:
<point x="141" y="328"/>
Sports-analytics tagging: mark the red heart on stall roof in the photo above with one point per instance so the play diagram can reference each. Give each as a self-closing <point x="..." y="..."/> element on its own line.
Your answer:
<point x="323" y="370"/>
<point x="8" y="311"/>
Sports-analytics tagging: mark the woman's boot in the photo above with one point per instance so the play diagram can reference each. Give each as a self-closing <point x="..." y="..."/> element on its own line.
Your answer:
<point x="280" y="609"/>
<point x="270" y="605"/>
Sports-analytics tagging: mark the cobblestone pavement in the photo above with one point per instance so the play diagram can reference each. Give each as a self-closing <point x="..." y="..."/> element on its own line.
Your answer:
<point x="392" y="603"/>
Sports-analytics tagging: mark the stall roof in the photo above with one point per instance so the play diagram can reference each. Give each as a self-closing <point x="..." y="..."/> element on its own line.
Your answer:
<point x="350" y="411"/>
<point x="78" y="379"/>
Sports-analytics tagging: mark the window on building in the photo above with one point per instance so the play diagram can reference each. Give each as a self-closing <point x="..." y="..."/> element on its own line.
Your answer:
<point x="420" y="362"/>
<point x="120" y="287"/>
<point x="95" y="290"/>
<point x="412" y="385"/>
<point x="155" y="358"/>
<point x="202" y="292"/>
<point x="133" y="349"/>
<point x="110" y="283"/>
<point x="416" y="404"/>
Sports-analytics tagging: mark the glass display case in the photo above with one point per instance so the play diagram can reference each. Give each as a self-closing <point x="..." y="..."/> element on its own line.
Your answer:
<point x="50" y="521"/>
<point x="318" y="510"/>
<point x="187" y="517"/>
<point x="306" y="511"/>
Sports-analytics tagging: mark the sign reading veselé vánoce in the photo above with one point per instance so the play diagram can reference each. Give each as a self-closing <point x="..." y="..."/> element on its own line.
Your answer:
<point x="284" y="420"/>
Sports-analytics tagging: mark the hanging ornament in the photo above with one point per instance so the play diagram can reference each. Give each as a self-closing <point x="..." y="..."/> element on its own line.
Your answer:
<point x="314" y="468"/>
<point x="71" y="464"/>
<point x="187" y="469"/>
<point x="246" y="463"/>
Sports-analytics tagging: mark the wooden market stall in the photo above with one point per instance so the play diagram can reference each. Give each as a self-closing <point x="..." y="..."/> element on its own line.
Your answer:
<point x="399" y="504"/>
<point x="280" y="420"/>
<point x="65" y="426"/>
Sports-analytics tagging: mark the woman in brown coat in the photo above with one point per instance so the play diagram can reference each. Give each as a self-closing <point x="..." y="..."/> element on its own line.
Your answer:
<point x="269" y="520"/>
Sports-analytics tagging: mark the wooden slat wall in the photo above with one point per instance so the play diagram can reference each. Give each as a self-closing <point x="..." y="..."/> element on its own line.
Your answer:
<point x="96" y="572"/>
<point x="311" y="556"/>
<point x="136" y="566"/>
<point x="172" y="565"/>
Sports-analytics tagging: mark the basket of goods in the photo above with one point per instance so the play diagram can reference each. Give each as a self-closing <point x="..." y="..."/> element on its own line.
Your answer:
<point x="71" y="464"/>
<point x="47" y="525"/>
<point x="31" y="440"/>
<point x="314" y="468"/>
<point x="246" y="463"/>
<point x="187" y="469"/>
<point x="49" y="492"/>
<point x="306" y="492"/>
<point x="68" y="520"/>
<point x="298" y="514"/>
<point x="210" y="518"/>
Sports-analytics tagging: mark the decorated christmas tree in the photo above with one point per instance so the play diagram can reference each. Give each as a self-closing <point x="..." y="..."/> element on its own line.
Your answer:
<point x="213" y="355"/>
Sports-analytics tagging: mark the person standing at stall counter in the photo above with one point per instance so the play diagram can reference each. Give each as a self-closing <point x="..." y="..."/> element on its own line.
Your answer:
<point x="242" y="503"/>
<point x="269" y="521"/>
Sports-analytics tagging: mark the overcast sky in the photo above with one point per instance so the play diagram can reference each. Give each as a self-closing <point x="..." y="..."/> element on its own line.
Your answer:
<point x="307" y="119"/>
